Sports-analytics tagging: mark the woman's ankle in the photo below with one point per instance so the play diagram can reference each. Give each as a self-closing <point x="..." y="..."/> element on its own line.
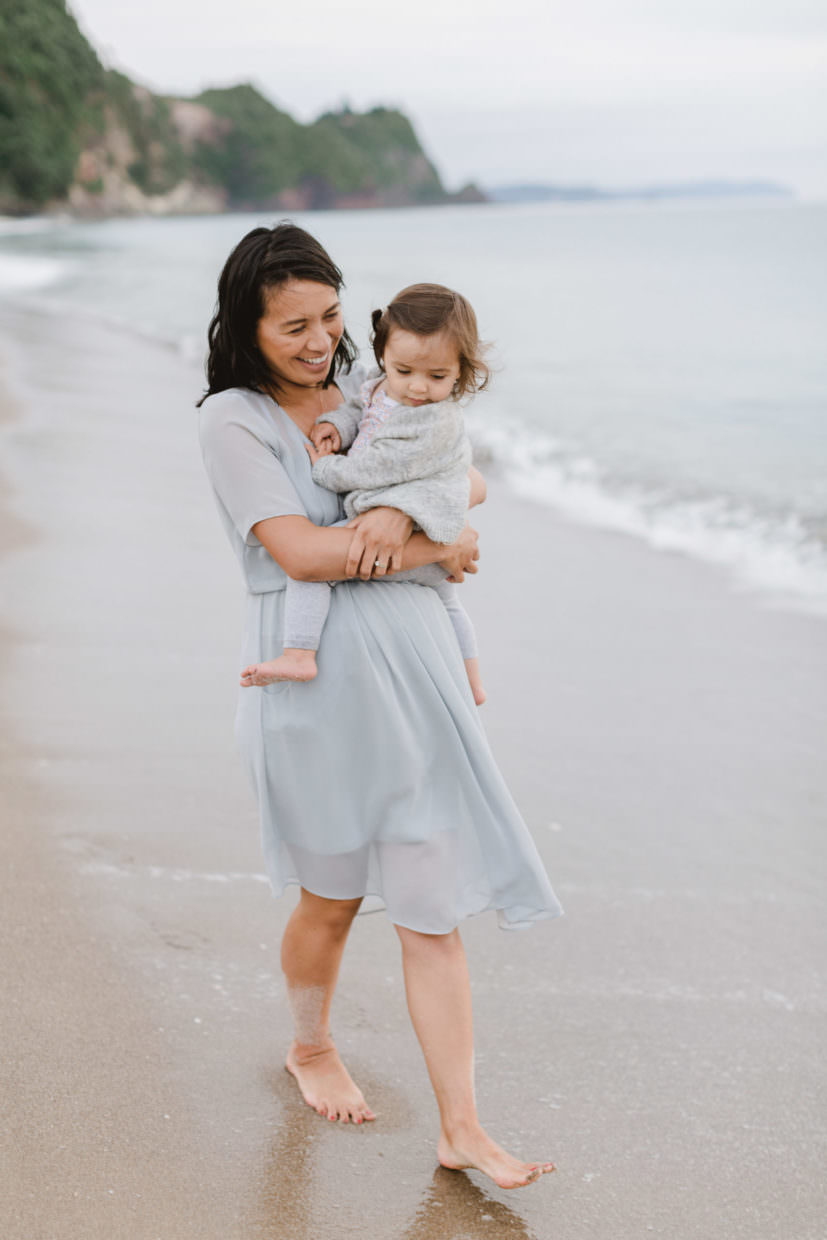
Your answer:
<point x="303" y="1051"/>
<point x="460" y="1127"/>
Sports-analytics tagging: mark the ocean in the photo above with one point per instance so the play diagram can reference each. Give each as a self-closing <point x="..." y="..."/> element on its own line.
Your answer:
<point x="660" y="369"/>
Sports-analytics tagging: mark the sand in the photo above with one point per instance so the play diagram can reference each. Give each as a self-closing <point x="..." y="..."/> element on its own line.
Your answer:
<point x="664" y="1043"/>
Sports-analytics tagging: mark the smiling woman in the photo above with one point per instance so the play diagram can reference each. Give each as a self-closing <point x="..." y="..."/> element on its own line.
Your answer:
<point x="278" y="319"/>
<point x="411" y="806"/>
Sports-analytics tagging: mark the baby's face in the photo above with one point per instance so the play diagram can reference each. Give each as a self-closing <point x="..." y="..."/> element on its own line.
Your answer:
<point x="419" y="370"/>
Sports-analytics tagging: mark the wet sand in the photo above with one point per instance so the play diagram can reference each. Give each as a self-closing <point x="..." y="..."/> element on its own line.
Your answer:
<point x="664" y="1043"/>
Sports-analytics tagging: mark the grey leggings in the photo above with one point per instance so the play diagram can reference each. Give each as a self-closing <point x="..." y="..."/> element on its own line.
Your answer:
<point x="306" y="604"/>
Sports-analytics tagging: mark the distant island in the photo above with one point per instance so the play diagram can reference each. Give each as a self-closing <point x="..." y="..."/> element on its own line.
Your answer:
<point x="678" y="189"/>
<point x="78" y="137"/>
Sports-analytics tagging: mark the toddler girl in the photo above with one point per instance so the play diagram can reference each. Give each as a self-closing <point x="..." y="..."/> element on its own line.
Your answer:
<point x="407" y="449"/>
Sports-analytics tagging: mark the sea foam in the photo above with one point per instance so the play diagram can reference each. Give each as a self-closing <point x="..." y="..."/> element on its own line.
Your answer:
<point x="21" y="273"/>
<point x="772" y="553"/>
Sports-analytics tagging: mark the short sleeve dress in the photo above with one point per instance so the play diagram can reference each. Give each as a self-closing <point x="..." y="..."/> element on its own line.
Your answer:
<point x="375" y="778"/>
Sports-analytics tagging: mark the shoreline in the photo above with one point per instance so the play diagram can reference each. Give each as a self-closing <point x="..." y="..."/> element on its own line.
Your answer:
<point x="662" y="736"/>
<point x="462" y="197"/>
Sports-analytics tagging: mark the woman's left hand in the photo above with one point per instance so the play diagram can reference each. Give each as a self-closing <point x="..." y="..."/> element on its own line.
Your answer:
<point x="461" y="556"/>
<point x="379" y="539"/>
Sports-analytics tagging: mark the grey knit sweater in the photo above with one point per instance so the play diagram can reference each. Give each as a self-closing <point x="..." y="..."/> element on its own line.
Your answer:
<point x="416" y="461"/>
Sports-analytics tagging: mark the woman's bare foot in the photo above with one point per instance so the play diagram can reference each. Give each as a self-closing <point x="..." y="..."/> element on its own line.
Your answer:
<point x="472" y="667"/>
<point x="292" y="664"/>
<point x="473" y="1148"/>
<point x="325" y="1083"/>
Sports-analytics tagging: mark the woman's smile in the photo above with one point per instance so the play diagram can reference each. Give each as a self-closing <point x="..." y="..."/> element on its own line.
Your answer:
<point x="316" y="362"/>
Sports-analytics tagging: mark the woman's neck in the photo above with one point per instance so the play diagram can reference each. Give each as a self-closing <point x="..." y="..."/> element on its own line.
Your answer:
<point x="303" y="405"/>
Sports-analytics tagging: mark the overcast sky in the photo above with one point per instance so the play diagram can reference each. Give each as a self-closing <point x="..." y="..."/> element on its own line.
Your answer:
<point x="610" y="92"/>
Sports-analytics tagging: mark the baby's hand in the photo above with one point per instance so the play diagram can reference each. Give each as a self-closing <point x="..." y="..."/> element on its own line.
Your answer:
<point x="313" y="454"/>
<point x="325" y="438"/>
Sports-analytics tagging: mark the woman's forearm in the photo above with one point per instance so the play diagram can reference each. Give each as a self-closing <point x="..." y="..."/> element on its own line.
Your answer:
<point x="320" y="553"/>
<point x="420" y="550"/>
<point x="305" y="551"/>
<point x="309" y="552"/>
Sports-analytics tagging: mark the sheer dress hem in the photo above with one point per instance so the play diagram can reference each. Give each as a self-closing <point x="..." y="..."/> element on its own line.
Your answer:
<point x="526" y="922"/>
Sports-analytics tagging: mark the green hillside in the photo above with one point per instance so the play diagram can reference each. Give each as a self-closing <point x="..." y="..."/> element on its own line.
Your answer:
<point x="266" y="152"/>
<point x="49" y="80"/>
<point x="74" y="134"/>
<point x="259" y="155"/>
<point x="377" y="148"/>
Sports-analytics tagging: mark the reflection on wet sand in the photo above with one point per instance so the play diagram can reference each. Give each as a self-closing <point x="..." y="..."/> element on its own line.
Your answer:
<point x="286" y="1202"/>
<point x="453" y="1207"/>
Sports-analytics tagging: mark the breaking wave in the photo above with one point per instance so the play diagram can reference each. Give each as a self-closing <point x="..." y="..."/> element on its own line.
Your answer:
<point x="773" y="553"/>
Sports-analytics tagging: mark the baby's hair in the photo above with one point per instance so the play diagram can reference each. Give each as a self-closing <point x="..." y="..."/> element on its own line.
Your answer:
<point x="431" y="309"/>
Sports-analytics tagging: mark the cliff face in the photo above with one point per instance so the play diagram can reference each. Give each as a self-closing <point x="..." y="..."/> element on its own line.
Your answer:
<point x="139" y="157"/>
<point x="73" y="134"/>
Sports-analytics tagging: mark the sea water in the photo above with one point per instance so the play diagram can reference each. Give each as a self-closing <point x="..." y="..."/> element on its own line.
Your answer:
<point x="660" y="369"/>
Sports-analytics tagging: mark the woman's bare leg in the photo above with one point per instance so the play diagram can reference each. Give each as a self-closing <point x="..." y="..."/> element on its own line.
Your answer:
<point x="311" y="952"/>
<point x="439" y="1001"/>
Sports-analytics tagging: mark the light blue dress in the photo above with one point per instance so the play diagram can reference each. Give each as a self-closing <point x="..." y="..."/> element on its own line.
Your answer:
<point x="375" y="778"/>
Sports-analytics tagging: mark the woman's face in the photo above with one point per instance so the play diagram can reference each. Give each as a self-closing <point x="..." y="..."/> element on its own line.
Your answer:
<point x="300" y="330"/>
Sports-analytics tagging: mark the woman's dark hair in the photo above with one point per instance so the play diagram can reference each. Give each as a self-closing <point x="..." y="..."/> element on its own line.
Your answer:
<point x="265" y="259"/>
<point x="430" y="310"/>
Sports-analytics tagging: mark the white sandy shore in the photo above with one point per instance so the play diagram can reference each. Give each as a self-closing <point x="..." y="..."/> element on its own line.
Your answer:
<point x="664" y="1043"/>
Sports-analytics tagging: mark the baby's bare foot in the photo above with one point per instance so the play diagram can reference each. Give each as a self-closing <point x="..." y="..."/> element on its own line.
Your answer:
<point x="473" y="1148"/>
<point x="326" y="1085"/>
<point x="472" y="668"/>
<point x="291" y="665"/>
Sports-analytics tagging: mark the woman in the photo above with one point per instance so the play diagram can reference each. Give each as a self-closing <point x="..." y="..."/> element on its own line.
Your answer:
<point x="374" y="778"/>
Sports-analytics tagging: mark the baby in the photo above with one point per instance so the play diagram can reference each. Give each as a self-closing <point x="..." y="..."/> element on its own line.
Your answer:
<point x="406" y="449"/>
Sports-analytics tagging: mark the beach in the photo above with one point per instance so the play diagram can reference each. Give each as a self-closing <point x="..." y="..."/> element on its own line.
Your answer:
<point x="663" y="733"/>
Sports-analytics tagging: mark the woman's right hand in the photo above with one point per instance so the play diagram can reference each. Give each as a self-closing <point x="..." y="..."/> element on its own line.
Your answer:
<point x="380" y="537"/>
<point x="462" y="555"/>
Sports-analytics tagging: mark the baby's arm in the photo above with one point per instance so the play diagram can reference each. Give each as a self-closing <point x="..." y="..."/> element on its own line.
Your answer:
<point x="413" y="443"/>
<point x="384" y="464"/>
